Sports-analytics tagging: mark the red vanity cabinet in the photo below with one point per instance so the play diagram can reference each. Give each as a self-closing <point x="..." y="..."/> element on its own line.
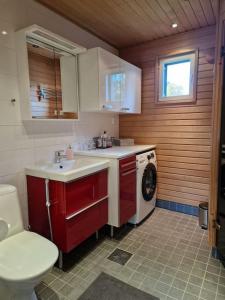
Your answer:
<point x="127" y="190"/>
<point x="78" y="208"/>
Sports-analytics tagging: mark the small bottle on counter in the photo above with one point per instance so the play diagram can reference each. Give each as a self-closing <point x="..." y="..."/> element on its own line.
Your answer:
<point x="69" y="153"/>
<point x="104" y="140"/>
<point x="99" y="142"/>
<point x="109" y="142"/>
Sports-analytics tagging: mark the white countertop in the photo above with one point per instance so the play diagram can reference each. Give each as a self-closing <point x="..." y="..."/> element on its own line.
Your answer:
<point x="116" y="151"/>
<point x="68" y="170"/>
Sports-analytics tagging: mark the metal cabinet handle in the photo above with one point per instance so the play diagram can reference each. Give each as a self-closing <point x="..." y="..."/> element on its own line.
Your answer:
<point x="85" y="208"/>
<point x="125" y="108"/>
<point x="129" y="172"/>
<point x="128" y="164"/>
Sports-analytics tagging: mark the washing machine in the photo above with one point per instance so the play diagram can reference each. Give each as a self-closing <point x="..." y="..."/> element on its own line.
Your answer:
<point x="146" y="185"/>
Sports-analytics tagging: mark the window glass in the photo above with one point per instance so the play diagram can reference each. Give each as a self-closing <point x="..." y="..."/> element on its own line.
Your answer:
<point x="177" y="79"/>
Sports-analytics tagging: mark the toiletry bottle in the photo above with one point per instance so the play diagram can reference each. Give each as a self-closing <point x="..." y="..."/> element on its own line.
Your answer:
<point x="109" y="142"/>
<point x="99" y="143"/>
<point x="69" y="153"/>
<point x="104" y="140"/>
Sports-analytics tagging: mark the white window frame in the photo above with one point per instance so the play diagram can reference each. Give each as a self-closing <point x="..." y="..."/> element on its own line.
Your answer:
<point x="162" y="61"/>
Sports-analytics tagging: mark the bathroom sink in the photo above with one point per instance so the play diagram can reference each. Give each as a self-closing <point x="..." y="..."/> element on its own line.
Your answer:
<point x="66" y="165"/>
<point x="68" y="170"/>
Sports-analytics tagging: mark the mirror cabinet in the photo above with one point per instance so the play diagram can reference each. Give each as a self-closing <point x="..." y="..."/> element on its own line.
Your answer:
<point x="48" y="75"/>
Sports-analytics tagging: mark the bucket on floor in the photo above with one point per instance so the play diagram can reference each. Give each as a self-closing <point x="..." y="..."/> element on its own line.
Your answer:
<point x="203" y="215"/>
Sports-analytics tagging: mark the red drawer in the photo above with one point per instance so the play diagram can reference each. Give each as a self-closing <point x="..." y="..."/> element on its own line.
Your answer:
<point x="127" y="163"/>
<point x="85" y="191"/>
<point x="85" y="224"/>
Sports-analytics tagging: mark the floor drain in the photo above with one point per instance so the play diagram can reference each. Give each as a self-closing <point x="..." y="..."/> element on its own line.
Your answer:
<point x="120" y="256"/>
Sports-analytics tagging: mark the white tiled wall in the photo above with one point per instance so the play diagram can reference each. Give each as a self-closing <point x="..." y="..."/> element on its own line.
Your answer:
<point x="23" y="144"/>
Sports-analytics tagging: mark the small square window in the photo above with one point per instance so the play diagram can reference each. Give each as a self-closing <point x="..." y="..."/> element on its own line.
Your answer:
<point x="177" y="77"/>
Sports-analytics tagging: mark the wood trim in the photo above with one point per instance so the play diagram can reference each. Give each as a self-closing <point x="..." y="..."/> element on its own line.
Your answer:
<point x="216" y="120"/>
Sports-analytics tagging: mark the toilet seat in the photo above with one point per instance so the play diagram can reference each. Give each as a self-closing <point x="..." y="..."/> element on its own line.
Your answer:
<point x="26" y="255"/>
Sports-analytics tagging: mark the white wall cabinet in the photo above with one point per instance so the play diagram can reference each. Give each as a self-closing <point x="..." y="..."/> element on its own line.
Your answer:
<point x="108" y="83"/>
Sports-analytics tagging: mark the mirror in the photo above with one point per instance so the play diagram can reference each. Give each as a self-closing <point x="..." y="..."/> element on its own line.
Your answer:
<point x="53" y="81"/>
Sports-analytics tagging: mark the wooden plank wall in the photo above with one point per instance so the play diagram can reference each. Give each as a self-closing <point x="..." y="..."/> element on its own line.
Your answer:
<point x="181" y="132"/>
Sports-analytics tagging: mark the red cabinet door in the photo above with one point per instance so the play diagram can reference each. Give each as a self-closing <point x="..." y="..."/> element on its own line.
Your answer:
<point x="37" y="212"/>
<point x="78" y="208"/>
<point x="127" y="206"/>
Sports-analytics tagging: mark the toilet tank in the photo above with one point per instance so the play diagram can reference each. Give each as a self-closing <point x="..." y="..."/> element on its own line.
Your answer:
<point x="10" y="209"/>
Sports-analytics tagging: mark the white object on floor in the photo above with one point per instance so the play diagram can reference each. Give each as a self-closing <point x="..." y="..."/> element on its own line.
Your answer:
<point x="25" y="257"/>
<point x="146" y="185"/>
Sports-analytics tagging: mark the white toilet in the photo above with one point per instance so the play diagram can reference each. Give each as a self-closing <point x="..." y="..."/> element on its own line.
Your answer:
<point x="25" y="257"/>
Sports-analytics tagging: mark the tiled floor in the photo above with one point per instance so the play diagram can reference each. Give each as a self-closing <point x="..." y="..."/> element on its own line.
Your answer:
<point x="170" y="259"/>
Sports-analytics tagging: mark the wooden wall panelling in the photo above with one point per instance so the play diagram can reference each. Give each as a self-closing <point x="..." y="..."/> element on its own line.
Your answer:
<point x="182" y="132"/>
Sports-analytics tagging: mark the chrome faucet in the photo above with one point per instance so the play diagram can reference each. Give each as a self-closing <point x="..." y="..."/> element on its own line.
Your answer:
<point x="59" y="155"/>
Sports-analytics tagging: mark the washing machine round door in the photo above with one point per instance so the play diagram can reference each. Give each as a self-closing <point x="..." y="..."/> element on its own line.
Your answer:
<point x="149" y="180"/>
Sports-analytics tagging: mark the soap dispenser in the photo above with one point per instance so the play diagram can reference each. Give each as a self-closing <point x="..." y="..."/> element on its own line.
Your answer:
<point x="69" y="153"/>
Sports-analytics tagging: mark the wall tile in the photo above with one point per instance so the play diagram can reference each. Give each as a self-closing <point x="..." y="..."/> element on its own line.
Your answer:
<point x="24" y="143"/>
<point x="8" y="64"/>
<point x="179" y="207"/>
<point x="8" y="86"/>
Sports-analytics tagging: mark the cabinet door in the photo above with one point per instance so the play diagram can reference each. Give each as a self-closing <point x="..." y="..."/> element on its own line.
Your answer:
<point x="53" y="82"/>
<point x="111" y="80"/>
<point x="131" y="88"/>
<point x="127" y="205"/>
<point x="69" y="83"/>
<point x="44" y="75"/>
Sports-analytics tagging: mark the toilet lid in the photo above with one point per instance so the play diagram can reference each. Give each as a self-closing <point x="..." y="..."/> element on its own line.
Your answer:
<point x="26" y="255"/>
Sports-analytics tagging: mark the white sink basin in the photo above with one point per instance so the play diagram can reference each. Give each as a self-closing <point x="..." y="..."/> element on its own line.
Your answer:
<point x="68" y="170"/>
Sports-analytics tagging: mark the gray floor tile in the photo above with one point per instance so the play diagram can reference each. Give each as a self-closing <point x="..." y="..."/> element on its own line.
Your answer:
<point x="162" y="287"/>
<point x="176" y="293"/>
<point x="207" y="295"/>
<point x="221" y="290"/>
<point x="170" y="259"/>
<point x="193" y="289"/>
<point x="179" y="284"/>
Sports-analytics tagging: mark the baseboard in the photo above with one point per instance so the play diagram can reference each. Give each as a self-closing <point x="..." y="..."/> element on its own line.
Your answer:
<point x="178" y="207"/>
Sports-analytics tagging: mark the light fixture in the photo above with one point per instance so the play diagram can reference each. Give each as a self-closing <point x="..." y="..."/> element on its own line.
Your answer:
<point x="174" y="25"/>
<point x="4" y="32"/>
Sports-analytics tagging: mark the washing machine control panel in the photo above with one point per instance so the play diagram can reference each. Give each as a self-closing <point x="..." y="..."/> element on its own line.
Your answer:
<point x="145" y="157"/>
<point x="151" y="155"/>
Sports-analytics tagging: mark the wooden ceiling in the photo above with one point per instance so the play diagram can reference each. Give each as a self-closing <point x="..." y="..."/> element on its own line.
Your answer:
<point x="123" y="23"/>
